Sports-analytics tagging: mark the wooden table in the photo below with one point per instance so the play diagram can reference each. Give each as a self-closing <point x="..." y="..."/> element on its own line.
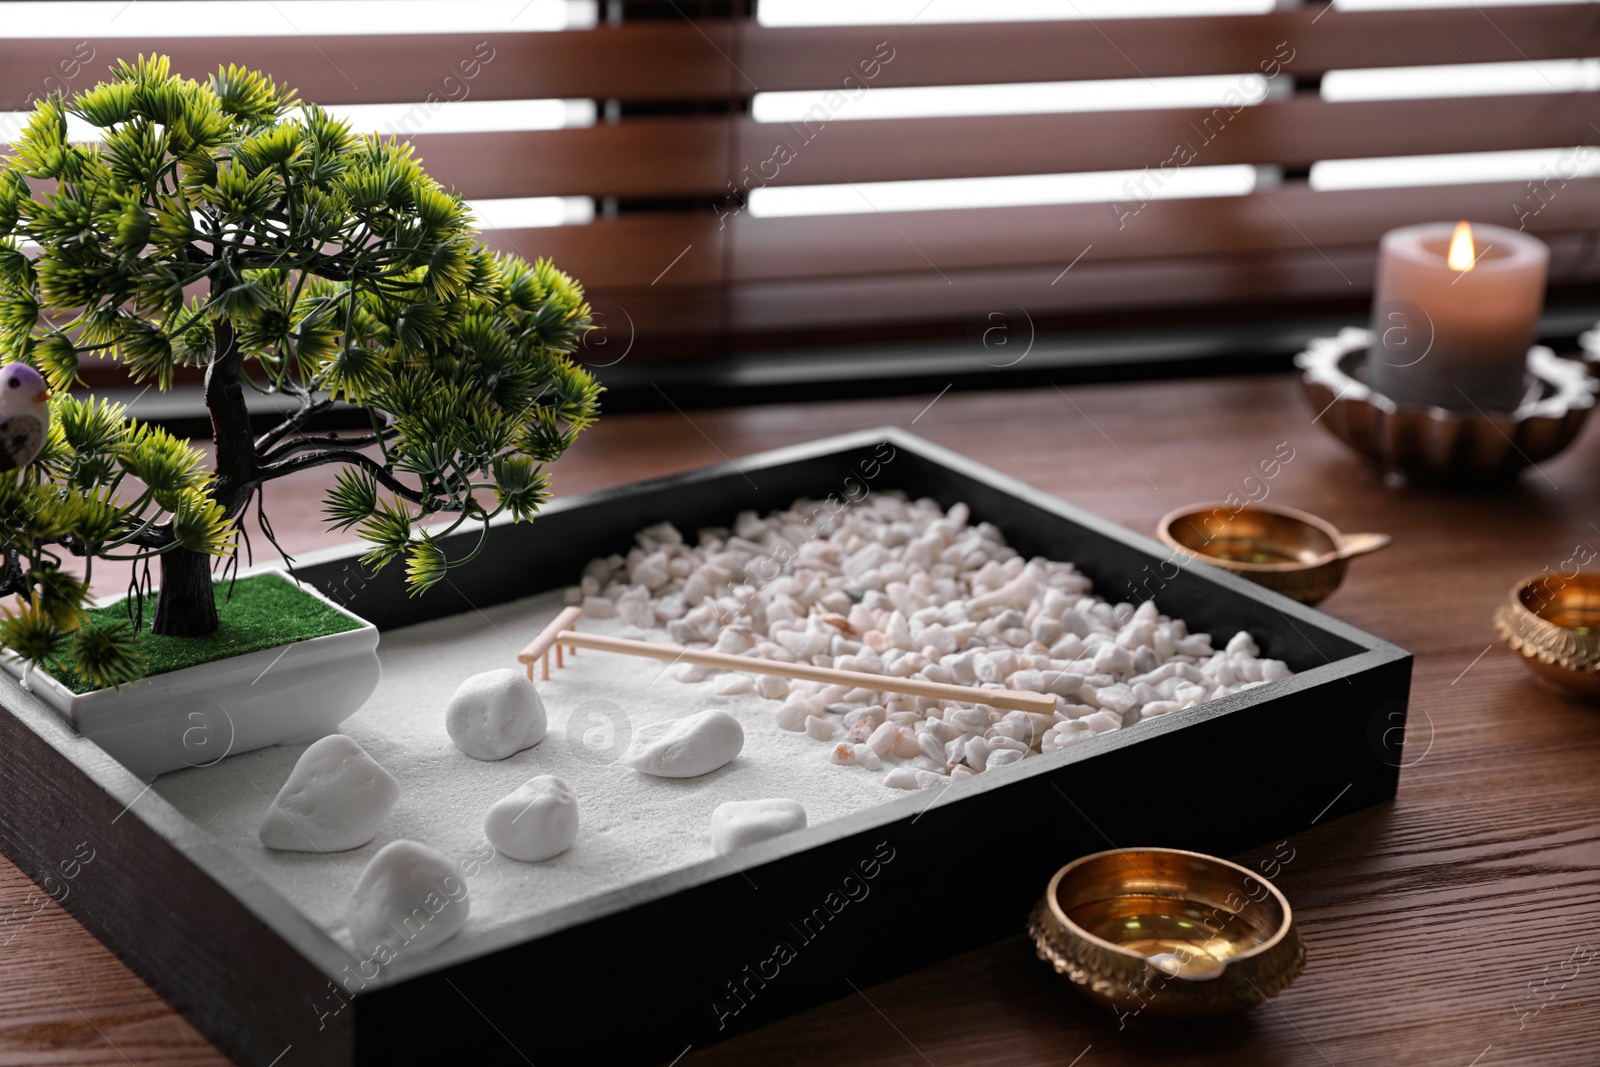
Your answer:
<point x="1459" y="925"/>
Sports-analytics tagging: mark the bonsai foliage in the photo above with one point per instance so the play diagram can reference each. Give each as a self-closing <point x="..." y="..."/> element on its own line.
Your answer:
<point x="225" y="225"/>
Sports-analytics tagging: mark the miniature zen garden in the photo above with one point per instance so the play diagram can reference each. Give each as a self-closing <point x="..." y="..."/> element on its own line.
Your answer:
<point x="226" y="225"/>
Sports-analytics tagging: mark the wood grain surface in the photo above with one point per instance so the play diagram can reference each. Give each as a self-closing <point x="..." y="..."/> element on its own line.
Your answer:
<point x="1459" y="925"/>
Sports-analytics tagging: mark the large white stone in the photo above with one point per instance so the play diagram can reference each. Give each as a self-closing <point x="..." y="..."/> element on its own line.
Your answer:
<point x="537" y="820"/>
<point x="409" y="898"/>
<point x="335" y="799"/>
<point x="684" y="748"/>
<point x="744" y="822"/>
<point x="495" y="714"/>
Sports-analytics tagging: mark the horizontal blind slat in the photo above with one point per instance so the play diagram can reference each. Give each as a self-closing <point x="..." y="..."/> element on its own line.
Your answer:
<point x="1293" y="132"/>
<point x="646" y="157"/>
<point x="1321" y="39"/>
<point x="1017" y="295"/>
<point x="660" y="250"/>
<point x="1286" y="218"/>
<point x="640" y="61"/>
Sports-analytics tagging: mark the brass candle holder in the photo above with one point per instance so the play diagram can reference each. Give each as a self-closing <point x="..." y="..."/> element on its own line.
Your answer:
<point x="1439" y="446"/>
<point x="1555" y="629"/>
<point x="1290" y="552"/>
<point x="1169" y="933"/>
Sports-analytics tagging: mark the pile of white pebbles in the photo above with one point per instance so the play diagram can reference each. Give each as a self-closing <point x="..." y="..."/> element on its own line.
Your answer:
<point x="904" y="588"/>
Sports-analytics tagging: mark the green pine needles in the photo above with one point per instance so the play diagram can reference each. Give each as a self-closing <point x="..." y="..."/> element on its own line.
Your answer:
<point x="229" y="226"/>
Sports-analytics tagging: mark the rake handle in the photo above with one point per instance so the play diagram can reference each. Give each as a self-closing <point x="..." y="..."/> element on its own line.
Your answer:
<point x="1005" y="699"/>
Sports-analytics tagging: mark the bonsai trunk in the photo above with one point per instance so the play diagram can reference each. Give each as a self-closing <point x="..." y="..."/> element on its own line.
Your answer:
<point x="186" y="605"/>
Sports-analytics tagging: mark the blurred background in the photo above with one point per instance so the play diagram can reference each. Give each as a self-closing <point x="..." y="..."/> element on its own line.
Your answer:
<point x="786" y="198"/>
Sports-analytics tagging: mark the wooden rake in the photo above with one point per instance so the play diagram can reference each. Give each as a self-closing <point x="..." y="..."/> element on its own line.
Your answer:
<point x="559" y="635"/>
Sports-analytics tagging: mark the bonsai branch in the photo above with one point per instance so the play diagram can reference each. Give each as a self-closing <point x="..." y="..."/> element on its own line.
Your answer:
<point x="324" y="457"/>
<point x="305" y="443"/>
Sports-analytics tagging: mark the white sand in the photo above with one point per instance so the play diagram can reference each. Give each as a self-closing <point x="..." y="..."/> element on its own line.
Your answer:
<point x="631" y="827"/>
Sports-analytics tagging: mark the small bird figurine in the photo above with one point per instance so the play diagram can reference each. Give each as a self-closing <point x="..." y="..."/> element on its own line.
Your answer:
<point x="24" y="415"/>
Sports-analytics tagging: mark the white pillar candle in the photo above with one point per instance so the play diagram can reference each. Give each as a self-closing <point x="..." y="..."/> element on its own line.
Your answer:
<point x="1455" y="309"/>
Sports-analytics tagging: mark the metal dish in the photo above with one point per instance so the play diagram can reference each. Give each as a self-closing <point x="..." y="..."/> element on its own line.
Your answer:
<point x="1435" y="445"/>
<point x="1288" y="551"/>
<point x="1554" y="624"/>
<point x="1169" y="933"/>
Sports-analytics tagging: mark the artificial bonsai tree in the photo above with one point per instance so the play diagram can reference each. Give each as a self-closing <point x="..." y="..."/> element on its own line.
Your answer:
<point x="225" y="225"/>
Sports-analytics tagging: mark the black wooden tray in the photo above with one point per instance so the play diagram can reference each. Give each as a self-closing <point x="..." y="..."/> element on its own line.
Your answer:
<point x="645" y="972"/>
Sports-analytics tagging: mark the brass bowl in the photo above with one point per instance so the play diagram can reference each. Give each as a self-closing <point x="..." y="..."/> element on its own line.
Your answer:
<point x="1288" y="551"/>
<point x="1431" y="445"/>
<point x="1554" y="623"/>
<point x="1164" y="932"/>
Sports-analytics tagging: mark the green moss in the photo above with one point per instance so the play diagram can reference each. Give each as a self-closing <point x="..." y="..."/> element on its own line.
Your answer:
<point x="264" y="610"/>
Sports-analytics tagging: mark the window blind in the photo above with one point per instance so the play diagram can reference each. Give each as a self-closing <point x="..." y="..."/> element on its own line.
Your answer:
<point x="1197" y="189"/>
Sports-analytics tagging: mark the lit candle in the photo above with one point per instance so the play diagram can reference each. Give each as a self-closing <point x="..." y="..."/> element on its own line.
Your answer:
<point x="1455" y="309"/>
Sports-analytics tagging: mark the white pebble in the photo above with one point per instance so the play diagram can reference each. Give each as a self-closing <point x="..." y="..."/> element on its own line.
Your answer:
<point x="735" y="685"/>
<point x="335" y="799"/>
<point x="1103" y="721"/>
<point x="685" y="748"/>
<point x="793" y="716"/>
<point x="820" y="729"/>
<point x="772" y="687"/>
<point x="691" y="672"/>
<point x="409" y="897"/>
<point x="882" y="739"/>
<point x="535" y="821"/>
<point x="1117" y="697"/>
<point x="969" y="720"/>
<point x="495" y="714"/>
<point x="902" y="778"/>
<point x="1004" y="757"/>
<point x="1243" y="642"/>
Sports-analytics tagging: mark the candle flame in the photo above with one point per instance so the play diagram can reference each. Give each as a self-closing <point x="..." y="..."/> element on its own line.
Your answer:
<point x="1462" y="254"/>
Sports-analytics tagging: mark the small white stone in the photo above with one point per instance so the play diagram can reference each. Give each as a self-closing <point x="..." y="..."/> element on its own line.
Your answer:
<point x="969" y="720"/>
<point x="1118" y="698"/>
<point x="495" y="714"/>
<point x="691" y="672"/>
<point x="734" y="685"/>
<point x="819" y="728"/>
<point x="1243" y="642"/>
<point x="793" y="716"/>
<point x="598" y="607"/>
<point x="1103" y="721"/>
<point x="882" y="738"/>
<point x="772" y="687"/>
<point x="685" y="748"/>
<point x="1004" y="757"/>
<point x="744" y="822"/>
<point x="535" y="821"/>
<point x="902" y="778"/>
<point x="335" y="799"/>
<point x="409" y="897"/>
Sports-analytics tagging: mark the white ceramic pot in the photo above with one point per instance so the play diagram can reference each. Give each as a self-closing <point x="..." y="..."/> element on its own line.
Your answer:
<point x="195" y="716"/>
